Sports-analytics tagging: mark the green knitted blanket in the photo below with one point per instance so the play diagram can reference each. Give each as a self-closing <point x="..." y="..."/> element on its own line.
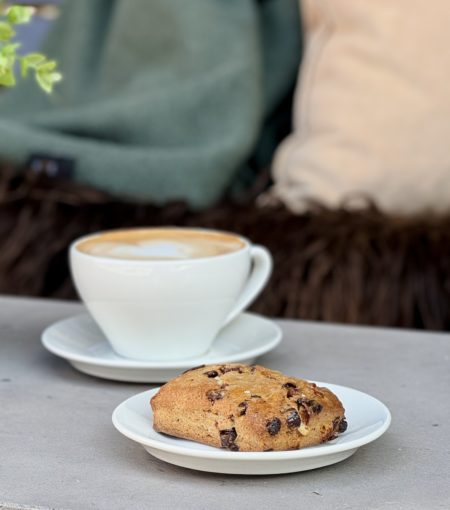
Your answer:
<point x="162" y="99"/>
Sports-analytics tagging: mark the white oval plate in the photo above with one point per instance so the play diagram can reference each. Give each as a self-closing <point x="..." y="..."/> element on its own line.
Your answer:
<point x="367" y="418"/>
<point x="80" y="341"/>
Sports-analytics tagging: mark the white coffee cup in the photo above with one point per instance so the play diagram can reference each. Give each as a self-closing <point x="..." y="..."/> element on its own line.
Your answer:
<point x="164" y="294"/>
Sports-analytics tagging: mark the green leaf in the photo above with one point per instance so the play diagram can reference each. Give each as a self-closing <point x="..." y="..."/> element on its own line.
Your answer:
<point x="32" y="60"/>
<point x="7" y="78"/>
<point x="9" y="50"/>
<point x="7" y="59"/>
<point x="47" y="66"/>
<point x="56" y="78"/>
<point x="43" y="82"/>
<point x="4" y="64"/>
<point x="46" y="72"/>
<point x="19" y="14"/>
<point x="6" y="31"/>
<point x="47" y="80"/>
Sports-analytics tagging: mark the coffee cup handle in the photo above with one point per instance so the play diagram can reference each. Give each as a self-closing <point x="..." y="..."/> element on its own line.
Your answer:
<point x="259" y="274"/>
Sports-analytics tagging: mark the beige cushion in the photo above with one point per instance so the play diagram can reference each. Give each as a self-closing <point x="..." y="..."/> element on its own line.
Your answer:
<point x="372" y="109"/>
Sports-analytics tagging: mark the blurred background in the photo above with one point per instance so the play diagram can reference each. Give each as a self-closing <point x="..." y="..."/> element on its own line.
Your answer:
<point x="318" y="129"/>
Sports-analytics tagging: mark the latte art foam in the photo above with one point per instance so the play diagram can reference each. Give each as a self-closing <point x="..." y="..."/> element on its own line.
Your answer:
<point x="159" y="244"/>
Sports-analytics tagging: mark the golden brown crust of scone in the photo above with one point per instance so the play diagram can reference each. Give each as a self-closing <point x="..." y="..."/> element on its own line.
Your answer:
<point x="247" y="408"/>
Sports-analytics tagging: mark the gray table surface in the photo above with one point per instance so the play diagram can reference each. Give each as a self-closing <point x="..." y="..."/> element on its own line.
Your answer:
<point x="58" y="448"/>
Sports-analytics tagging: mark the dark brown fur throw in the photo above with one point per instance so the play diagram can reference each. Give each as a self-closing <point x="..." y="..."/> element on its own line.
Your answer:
<point x="335" y="265"/>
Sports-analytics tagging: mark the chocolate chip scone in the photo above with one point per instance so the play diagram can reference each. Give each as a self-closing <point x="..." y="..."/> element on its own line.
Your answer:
<point x="247" y="408"/>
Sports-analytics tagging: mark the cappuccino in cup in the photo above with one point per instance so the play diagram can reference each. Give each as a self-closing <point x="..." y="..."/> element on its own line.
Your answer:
<point x="164" y="294"/>
<point x="160" y="244"/>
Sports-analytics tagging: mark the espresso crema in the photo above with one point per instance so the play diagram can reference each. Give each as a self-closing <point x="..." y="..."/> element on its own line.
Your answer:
<point x="160" y="244"/>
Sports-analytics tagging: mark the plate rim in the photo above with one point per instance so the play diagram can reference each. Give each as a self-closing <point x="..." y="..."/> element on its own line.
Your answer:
<point x="219" y="454"/>
<point x="126" y="363"/>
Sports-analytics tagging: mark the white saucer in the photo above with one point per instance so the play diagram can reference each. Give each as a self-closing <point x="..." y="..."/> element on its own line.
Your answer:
<point x="367" y="419"/>
<point x="80" y="341"/>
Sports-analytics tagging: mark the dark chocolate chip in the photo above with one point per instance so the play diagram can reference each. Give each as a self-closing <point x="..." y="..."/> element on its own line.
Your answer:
<point x="228" y="438"/>
<point x="342" y="427"/>
<point x="225" y="369"/>
<point x="214" y="395"/>
<point x="291" y="392"/>
<point x="273" y="426"/>
<point x="293" y="419"/>
<point x="242" y="408"/>
<point x="289" y="385"/>
<point x="310" y="405"/>
<point x="302" y="402"/>
<point x="212" y="373"/>
<point x="268" y="450"/>
<point x="339" y="425"/>
<point x="304" y="409"/>
<point x="317" y="408"/>
<point x="193" y="368"/>
<point x="256" y="396"/>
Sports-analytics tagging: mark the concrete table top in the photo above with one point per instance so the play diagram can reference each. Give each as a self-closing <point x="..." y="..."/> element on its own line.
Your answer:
<point x="58" y="448"/>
